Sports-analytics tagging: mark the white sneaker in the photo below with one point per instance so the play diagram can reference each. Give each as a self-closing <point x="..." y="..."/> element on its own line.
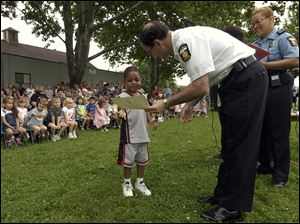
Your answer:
<point x="70" y="135"/>
<point x="57" y="137"/>
<point x="53" y="138"/>
<point x="127" y="189"/>
<point x="74" y="134"/>
<point x="142" y="188"/>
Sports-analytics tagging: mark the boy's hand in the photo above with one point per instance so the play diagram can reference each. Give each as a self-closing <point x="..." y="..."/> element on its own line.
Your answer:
<point x="153" y="125"/>
<point x="121" y="113"/>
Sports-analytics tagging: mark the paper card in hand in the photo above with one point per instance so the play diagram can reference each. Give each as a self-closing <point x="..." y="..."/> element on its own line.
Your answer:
<point x="259" y="52"/>
<point x="133" y="102"/>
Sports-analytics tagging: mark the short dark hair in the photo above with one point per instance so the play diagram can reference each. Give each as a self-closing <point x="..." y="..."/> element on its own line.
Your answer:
<point x="153" y="30"/>
<point x="235" y="32"/>
<point x="92" y="98"/>
<point x="130" y="69"/>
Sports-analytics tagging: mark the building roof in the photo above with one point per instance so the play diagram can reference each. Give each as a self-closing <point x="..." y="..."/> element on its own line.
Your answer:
<point x="11" y="29"/>
<point x="29" y="51"/>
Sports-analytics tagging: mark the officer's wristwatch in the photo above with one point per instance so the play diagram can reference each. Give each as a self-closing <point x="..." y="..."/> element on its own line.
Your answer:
<point x="165" y="103"/>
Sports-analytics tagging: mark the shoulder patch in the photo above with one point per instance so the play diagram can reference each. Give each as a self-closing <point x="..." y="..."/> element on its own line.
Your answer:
<point x="184" y="52"/>
<point x="292" y="41"/>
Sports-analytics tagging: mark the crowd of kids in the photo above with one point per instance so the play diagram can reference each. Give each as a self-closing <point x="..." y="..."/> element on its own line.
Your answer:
<point x="60" y="109"/>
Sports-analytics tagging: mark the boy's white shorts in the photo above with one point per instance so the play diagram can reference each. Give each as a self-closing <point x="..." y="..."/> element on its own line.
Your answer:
<point x="134" y="153"/>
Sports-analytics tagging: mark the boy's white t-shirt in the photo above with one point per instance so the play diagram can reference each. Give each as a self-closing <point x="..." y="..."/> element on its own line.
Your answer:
<point x="135" y="128"/>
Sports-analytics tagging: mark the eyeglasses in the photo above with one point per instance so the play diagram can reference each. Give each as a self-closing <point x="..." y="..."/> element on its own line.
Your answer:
<point x="258" y="21"/>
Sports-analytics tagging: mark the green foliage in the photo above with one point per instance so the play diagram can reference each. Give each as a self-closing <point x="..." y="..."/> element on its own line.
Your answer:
<point x="78" y="181"/>
<point x="8" y="9"/>
<point x="292" y="25"/>
<point x="44" y="16"/>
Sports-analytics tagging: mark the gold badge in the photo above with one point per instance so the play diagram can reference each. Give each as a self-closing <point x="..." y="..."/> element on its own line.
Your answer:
<point x="184" y="52"/>
<point x="292" y="41"/>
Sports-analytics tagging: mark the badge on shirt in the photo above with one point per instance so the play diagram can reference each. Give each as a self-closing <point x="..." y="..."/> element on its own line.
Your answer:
<point x="184" y="52"/>
<point x="271" y="44"/>
<point x="292" y="41"/>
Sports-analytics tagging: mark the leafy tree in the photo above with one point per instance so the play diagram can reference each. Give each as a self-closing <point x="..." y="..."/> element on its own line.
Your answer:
<point x="126" y="30"/>
<point x="78" y="19"/>
<point x="115" y="26"/>
<point x="176" y="14"/>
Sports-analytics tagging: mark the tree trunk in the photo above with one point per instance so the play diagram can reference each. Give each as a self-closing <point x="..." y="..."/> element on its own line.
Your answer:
<point x="69" y="29"/>
<point x="78" y="62"/>
<point x="84" y="33"/>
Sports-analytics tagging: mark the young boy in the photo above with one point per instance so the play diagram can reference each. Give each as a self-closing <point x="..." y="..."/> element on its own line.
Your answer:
<point x="35" y="119"/>
<point x="53" y="119"/>
<point x="133" y="148"/>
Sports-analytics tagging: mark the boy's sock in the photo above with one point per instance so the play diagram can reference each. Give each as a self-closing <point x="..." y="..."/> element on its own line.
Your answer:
<point x="127" y="180"/>
<point x="139" y="180"/>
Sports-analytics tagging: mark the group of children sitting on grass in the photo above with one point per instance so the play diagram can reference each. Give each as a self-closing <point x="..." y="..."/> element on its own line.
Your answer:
<point x="60" y="113"/>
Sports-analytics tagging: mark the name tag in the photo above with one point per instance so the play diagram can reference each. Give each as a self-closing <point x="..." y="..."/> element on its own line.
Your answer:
<point x="275" y="81"/>
<point x="274" y="77"/>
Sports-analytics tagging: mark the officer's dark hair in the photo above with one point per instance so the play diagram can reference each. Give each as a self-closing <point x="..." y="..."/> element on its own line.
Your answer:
<point x="153" y="30"/>
<point x="235" y="32"/>
<point x="130" y="69"/>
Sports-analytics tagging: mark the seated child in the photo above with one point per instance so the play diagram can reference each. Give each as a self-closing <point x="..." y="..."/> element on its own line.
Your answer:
<point x="69" y="117"/>
<point x="101" y="120"/>
<point x="81" y="114"/>
<point x="10" y="122"/>
<point x="203" y="108"/>
<point x="53" y="119"/>
<point x="35" y="119"/>
<point x="22" y="110"/>
<point x="91" y="108"/>
<point x="112" y="112"/>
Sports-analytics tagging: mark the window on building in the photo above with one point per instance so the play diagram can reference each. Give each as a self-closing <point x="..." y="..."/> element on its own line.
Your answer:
<point x="23" y="79"/>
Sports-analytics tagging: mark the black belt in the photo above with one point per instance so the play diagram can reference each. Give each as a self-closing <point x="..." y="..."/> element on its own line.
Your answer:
<point x="244" y="63"/>
<point x="275" y="72"/>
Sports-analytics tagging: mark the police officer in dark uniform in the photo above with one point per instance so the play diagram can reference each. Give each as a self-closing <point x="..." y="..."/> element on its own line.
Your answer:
<point x="274" y="156"/>
<point x="213" y="57"/>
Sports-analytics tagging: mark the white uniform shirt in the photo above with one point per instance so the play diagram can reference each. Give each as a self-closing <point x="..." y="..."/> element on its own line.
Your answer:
<point x="211" y="51"/>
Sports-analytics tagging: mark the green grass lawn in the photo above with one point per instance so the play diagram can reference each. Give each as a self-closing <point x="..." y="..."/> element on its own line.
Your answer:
<point x="80" y="181"/>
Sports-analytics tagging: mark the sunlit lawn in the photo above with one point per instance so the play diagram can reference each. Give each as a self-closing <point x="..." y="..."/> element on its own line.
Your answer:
<point x="80" y="181"/>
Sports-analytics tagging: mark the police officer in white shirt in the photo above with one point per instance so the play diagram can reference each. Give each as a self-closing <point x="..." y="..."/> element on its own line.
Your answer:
<point x="211" y="56"/>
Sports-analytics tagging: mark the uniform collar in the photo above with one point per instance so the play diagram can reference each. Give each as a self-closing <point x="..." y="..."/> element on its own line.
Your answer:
<point x="174" y="38"/>
<point x="271" y="35"/>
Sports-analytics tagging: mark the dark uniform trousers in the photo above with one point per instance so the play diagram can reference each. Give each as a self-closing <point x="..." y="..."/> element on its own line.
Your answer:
<point x="243" y="97"/>
<point x="275" y="147"/>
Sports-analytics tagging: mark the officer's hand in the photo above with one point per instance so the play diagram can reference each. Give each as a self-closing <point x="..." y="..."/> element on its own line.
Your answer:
<point x="157" y="107"/>
<point x="186" y="113"/>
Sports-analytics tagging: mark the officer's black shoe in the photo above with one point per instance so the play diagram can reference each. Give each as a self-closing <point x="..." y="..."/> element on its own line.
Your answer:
<point x="278" y="184"/>
<point x="261" y="169"/>
<point x="208" y="200"/>
<point x="220" y="214"/>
